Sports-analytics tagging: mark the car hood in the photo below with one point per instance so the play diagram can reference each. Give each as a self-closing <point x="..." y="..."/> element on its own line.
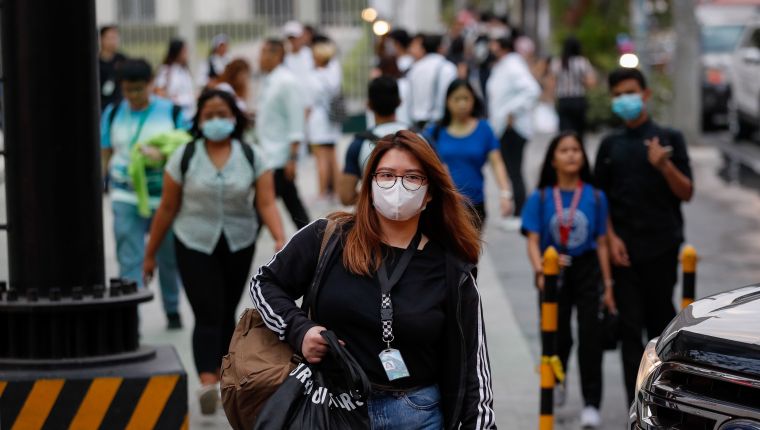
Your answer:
<point x="721" y="331"/>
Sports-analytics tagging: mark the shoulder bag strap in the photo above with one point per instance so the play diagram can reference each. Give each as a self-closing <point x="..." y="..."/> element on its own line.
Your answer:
<point x="329" y="242"/>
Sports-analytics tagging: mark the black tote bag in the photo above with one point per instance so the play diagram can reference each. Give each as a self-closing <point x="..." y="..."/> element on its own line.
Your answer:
<point x="330" y="395"/>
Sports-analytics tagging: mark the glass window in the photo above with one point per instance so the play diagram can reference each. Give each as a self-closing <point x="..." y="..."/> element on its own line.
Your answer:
<point x="137" y="10"/>
<point x="720" y="38"/>
<point x="274" y="12"/>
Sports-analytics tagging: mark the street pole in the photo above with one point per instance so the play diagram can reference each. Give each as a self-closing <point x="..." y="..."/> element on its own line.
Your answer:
<point x="640" y="33"/>
<point x="687" y="102"/>
<point x="187" y="31"/>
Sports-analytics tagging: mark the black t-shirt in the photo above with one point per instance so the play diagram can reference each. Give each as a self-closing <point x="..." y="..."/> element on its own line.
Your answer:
<point x="645" y="213"/>
<point x="110" y="91"/>
<point x="350" y="306"/>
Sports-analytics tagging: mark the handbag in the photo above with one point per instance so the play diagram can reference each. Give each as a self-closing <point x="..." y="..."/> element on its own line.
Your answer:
<point x="610" y="329"/>
<point x="258" y="362"/>
<point x="330" y="395"/>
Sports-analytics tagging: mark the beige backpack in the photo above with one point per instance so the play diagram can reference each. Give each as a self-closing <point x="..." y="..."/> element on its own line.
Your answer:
<point x="258" y="362"/>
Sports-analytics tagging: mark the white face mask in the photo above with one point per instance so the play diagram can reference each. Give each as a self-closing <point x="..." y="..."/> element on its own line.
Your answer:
<point x="397" y="203"/>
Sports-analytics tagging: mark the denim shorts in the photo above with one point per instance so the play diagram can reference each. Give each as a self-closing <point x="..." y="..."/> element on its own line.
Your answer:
<point x="410" y="410"/>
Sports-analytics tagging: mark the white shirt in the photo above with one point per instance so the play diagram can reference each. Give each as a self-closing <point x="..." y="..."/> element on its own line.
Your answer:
<point x="404" y="62"/>
<point x="280" y="116"/>
<point x="323" y="86"/>
<point x="300" y="62"/>
<point x="381" y="131"/>
<point x="176" y="81"/>
<point x="429" y="78"/>
<point x="216" y="201"/>
<point x="512" y="90"/>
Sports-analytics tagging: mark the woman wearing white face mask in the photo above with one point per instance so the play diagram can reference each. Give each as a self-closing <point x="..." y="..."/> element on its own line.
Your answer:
<point x="411" y="227"/>
<point x="208" y="195"/>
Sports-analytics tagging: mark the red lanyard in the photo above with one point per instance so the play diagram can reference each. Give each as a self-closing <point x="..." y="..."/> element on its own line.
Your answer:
<point x="566" y="224"/>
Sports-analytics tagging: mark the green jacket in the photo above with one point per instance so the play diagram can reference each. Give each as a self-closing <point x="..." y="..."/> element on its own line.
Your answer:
<point x="166" y="144"/>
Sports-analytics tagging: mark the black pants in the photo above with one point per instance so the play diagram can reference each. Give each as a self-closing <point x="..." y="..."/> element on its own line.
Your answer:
<point x="572" y="114"/>
<point x="644" y="297"/>
<point x="213" y="284"/>
<point x="512" y="146"/>
<point x="581" y="288"/>
<point x="286" y="189"/>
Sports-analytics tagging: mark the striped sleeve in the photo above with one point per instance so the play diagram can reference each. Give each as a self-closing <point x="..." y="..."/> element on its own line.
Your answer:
<point x="477" y="409"/>
<point x="283" y="280"/>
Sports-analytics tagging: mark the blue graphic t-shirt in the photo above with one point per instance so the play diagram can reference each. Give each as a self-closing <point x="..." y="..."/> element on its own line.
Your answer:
<point x="126" y="130"/>
<point x="540" y="216"/>
<point x="465" y="156"/>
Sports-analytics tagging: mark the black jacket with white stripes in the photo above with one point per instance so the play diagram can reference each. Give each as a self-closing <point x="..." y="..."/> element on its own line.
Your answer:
<point x="465" y="381"/>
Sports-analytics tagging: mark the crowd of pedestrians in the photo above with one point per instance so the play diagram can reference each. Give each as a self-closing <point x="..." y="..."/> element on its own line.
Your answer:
<point x="439" y="108"/>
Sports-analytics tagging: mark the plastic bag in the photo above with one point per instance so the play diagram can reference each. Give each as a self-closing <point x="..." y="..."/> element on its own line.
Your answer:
<point x="330" y="395"/>
<point x="545" y="119"/>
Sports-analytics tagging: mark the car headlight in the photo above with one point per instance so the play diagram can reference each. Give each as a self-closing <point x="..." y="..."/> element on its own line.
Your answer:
<point x="650" y="361"/>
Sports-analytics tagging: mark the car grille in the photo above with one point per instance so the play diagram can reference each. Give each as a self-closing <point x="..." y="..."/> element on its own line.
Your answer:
<point x="684" y="396"/>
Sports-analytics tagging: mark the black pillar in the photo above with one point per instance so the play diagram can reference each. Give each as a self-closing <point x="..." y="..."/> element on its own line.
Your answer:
<point x="61" y="332"/>
<point x="52" y="168"/>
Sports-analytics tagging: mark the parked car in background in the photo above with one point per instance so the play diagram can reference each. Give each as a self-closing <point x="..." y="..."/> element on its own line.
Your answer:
<point x="721" y="27"/>
<point x="703" y="372"/>
<point x="744" y="108"/>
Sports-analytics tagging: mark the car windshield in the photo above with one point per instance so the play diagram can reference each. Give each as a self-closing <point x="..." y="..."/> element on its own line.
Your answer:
<point x="720" y="38"/>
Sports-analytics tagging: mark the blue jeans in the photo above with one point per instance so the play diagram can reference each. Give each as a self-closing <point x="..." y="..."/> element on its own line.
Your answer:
<point x="410" y="410"/>
<point x="129" y="229"/>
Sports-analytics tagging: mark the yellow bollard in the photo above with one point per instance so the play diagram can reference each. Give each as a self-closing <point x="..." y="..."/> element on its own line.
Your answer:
<point x="550" y="365"/>
<point x="689" y="265"/>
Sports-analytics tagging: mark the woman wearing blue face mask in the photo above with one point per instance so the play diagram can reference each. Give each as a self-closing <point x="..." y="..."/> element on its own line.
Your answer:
<point x="209" y="188"/>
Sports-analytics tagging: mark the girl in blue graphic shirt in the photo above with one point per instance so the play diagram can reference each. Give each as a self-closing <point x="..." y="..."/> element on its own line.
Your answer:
<point x="568" y="213"/>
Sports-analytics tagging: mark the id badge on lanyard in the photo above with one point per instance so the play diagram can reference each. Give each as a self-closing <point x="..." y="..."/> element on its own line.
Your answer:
<point x="565" y="224"/>
<point x="391" y="358"/>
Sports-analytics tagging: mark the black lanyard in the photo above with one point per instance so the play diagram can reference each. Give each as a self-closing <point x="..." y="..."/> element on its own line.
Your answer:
<point x="387" y="283"/>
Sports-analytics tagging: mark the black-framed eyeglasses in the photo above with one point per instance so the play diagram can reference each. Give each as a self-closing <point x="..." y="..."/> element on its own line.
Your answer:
<point x="410" y="181"/>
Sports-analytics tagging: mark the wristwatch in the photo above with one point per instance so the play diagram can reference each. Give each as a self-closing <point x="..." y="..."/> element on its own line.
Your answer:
<point x="506" y="194"/>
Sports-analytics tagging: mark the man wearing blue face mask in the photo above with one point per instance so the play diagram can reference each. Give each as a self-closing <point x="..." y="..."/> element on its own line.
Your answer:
<point x="644" y="171"/>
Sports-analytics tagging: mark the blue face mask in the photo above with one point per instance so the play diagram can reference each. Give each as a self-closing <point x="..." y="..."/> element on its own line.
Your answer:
<point x="217" y="129"/>
<point x="628" y="106"/>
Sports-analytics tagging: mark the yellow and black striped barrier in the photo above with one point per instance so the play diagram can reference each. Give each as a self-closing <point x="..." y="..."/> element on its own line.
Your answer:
<point x="158" y="402"/>
<point x="689" y="265"/>
<point x="551" y="366"/>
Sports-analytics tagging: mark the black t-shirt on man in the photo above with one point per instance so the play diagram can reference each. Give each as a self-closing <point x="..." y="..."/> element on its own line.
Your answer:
<point x="109" y="85"/>
<point x="645" y="213"/>
<point x="350" y="306"/>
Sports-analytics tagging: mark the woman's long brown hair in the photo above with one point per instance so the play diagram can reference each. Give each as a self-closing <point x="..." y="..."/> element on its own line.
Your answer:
<point x="445" y="220"/>
<point x="231" y="71"/>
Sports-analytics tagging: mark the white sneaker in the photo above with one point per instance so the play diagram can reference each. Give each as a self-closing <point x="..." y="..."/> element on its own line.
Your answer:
<point x="590" y="418"/>
<point x="208" y="397"/>
<point x="511" y="223"/>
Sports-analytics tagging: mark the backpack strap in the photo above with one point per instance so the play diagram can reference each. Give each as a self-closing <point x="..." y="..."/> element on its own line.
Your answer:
<point x="329" y="243"/>
<point x="187" y="155"/>
<point x="248" y="152"/>
<point x="189" y="151"/>
<point x="368" y="135"/>
<point x="115" y="106"/>
<point x="176" y="112"/>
